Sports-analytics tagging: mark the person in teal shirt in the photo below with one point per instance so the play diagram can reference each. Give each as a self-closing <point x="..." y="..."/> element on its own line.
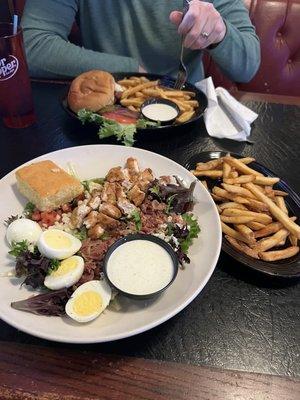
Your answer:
<point x="139" y="35"/>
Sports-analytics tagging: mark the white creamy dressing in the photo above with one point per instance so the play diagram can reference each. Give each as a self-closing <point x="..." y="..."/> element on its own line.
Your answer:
<point x="140" y="267"/>
<point x="160" y="112"/>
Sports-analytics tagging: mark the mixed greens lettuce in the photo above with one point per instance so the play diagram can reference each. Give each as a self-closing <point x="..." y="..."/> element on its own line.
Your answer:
<point x="107" y="128"/>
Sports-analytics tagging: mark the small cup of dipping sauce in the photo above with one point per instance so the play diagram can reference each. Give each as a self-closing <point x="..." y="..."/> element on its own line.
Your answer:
<point x="160" y="110"/>
<point x="140" y="266"/>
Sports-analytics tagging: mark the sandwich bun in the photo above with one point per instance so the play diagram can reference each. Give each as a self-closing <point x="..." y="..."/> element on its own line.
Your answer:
<point x="92" y="90"/>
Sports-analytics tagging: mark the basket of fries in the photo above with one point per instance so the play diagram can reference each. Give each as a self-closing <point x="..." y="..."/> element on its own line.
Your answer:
<point x="258" y="212"/>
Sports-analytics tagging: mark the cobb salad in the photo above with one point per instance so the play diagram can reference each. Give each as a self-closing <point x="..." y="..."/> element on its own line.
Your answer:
<point x="60" y="251"/>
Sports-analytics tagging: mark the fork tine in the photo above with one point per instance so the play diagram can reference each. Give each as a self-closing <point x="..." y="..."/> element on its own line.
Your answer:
<point x="181" y="78"/>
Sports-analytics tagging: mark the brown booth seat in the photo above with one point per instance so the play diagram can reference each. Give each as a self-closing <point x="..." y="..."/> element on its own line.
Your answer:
<point x="277" y="24"/>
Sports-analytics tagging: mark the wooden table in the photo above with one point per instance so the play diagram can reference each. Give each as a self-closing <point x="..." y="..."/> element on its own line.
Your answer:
<point x="241" y="321"/>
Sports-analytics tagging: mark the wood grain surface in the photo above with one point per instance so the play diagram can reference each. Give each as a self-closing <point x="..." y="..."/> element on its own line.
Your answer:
<point x="33" y="372"/>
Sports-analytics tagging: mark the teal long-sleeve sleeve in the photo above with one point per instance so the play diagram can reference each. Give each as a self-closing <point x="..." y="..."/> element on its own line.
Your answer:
<point x="238" y="55"/>
<point x="120" y="35"/>
<point x="46" y="26"/>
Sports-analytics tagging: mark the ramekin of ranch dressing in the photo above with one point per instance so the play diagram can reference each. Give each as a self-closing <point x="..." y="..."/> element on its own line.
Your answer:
<point x="160" y="110"/>
<point x="141" y="265"/>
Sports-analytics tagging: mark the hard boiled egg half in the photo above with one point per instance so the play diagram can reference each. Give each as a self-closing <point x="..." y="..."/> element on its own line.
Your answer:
<point x="23" y="229"/>
<point x="88" y="301"/>
<point x="68" y="273"/>
<point x="54" y="243"/>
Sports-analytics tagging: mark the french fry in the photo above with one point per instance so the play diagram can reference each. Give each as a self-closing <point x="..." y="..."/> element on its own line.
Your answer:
<point x="264" y="180"/>
<point x="233" y="233"/>
<point x="275" y="210"/>
<point x="213" y="164"/>
<point x="140" y="94"/>
<point x="132" y="102"/>
<point x="217" y="198"/>
<point x="211" y="174"/>
<point x="185" y="116"/>
<point x="272" y="192"/>
<point x="258" y="217"/>
<point x="233" y="174"/>
<point x="192" y="103"/>
<point x="246" y="231"/>
<point x="271" y="228"/>
<point x="293" y="240"/>
<point x="138" y="88"/>
<point x="282" y="243"/>
<point x="268" y="230"/>
<point x="281" y="204"/>
<point x="226" y="170"/>
<point x="126" y="82"/>
<point x="236" y="219"/>
<point x="229" y="196"/>
<point x="280" y="193"/>
<point x="232" y="205"/>
<point x="255" y="226"/>
<point x="258" y="206"/>
<point x="179" y="93"/>
<point x="242" y="247"/>
<point x="247" y="160"/>
<point x="240" y="179"/>
<point x="182" y="105"/>
<point x="240" y="166"/>
<point x="279" y="254"/>
<point x="272" y="241"/>
<point x="238" y="190"/>
<point x="144" y="79"/>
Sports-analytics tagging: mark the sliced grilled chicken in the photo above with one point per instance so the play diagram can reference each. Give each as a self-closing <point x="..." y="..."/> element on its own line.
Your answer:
<point x="95" y="232"/>
<point x="136" y="195"/>
<point x="110" y="210"/>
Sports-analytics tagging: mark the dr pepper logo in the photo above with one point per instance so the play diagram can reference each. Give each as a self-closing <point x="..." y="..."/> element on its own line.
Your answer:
<point x="8" y="67"/>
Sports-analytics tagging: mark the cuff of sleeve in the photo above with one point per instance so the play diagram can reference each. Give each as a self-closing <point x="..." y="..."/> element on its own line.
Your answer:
<point x="220" y="49"/>
<point x="130" y="65"/>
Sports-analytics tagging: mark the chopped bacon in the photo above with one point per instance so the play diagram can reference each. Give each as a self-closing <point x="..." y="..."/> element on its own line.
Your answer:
<point x="95" y="249"/>
<point x="36" y="215"/>
<point x="66" y="208"/>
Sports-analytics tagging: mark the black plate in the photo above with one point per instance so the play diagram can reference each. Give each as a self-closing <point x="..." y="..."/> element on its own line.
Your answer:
<point x="200" y="97"/>
<point x="289" y="268"/>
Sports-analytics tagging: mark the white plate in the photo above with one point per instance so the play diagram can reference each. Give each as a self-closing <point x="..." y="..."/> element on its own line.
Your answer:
<point x="135" y="316"/>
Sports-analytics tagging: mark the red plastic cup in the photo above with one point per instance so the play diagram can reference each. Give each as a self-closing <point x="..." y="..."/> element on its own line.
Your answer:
<point x="16" y="105"/>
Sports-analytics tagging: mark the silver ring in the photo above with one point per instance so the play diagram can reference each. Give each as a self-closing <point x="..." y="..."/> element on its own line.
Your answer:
<point x="205" y="35"/>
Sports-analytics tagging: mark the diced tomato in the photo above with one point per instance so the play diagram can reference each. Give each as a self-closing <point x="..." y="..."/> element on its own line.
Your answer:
<point x="48" y="218"/>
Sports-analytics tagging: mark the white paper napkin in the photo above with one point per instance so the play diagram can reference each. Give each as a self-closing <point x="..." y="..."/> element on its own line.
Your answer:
<point x="225" y="117"/>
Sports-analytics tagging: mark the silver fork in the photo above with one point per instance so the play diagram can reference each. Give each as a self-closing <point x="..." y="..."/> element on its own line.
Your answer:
<point x="182" y="71"/>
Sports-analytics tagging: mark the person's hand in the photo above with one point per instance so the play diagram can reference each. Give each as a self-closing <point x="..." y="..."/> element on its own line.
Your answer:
<point x="201" y="27"/>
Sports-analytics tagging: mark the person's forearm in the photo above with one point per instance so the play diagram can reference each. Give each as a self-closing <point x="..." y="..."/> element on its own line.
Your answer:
<point x="45" y="53"/>
<point x="238" y="55"/>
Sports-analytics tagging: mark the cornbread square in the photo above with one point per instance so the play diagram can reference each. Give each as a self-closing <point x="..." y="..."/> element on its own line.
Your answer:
<point x="46" y="185"/>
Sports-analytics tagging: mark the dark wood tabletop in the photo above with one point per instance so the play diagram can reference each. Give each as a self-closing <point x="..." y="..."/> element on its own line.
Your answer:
<point x="241" y="321"/>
